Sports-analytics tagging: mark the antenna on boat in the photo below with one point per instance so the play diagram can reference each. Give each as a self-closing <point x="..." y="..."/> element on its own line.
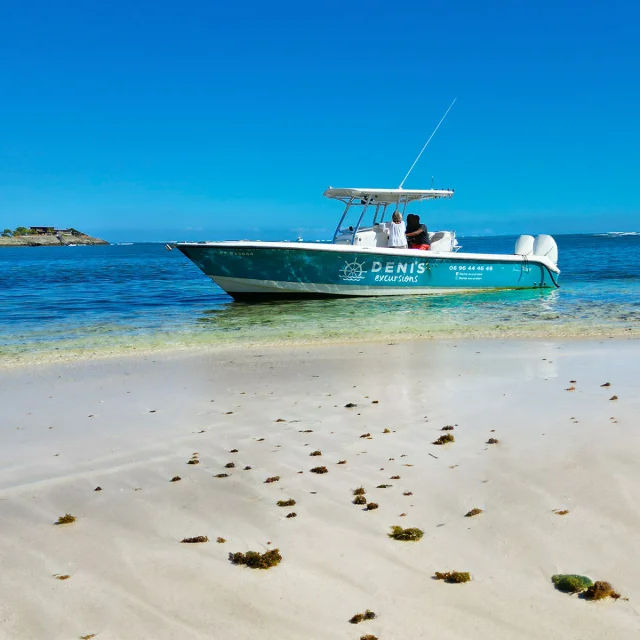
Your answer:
<point x="426" y="143"/>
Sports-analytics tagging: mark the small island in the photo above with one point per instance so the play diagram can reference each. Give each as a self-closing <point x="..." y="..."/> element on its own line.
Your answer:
<point x="46" y="237"/>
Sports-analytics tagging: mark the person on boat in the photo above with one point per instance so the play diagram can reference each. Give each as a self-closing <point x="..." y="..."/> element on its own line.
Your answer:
<point x="417" y="234"/>
<point x="397" y="230"/>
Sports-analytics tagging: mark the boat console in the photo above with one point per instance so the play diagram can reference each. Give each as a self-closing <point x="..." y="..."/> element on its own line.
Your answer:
<point x="378" y="237"/>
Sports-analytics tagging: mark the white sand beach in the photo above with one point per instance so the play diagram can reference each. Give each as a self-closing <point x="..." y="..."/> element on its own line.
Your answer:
<point x="130" y="425"/>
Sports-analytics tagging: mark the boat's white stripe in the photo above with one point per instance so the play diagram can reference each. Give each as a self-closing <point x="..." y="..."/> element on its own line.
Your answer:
<point x="250" y="285"/>
<point x="347" y="248"/>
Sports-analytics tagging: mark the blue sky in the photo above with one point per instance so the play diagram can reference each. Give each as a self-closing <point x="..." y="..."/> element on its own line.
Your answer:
<point x="193" y="120"/>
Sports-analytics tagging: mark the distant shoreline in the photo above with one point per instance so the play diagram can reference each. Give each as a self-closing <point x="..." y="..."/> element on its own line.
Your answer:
<point x="63" y="240"/>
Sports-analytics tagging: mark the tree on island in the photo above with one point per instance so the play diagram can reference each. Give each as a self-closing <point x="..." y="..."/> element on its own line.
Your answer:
<point x="21" y="231"/>
<point x="7" y="233"/>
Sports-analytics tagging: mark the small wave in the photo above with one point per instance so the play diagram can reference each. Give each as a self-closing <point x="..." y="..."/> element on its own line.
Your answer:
<point x="616" y="234"/>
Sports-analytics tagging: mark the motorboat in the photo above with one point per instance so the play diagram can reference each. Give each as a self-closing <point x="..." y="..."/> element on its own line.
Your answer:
<point x="359" y="262"/>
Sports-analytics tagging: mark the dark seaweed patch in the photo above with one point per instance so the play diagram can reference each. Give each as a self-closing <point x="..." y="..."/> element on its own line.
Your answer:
<point x="453" y="577"/>
<point x="67" y="518"/>
<point x="195" y="540"/>
<point x="412" y="534"/>
<point x="600" y="590"/>
<point x="319" y="470"/>
<point x="444" y="439"/>
<point x="361" y="617"/>
<point x="256" y="560"/>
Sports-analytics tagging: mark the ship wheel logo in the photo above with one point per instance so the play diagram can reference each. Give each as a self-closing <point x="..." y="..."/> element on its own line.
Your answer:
<point x="352" y="271"/>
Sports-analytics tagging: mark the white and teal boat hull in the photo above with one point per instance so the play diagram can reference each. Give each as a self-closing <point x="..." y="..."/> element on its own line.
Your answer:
<point x="258" y="270"/>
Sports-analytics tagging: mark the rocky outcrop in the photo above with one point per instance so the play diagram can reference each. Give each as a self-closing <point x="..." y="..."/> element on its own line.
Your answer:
<point x="60" y="240"/>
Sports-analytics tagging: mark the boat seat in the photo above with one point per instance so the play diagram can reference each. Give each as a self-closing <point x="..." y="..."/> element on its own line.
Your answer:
<point x="442" y="241"/>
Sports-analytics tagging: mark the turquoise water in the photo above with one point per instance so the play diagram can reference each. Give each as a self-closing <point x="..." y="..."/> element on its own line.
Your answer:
<point x="65" y="300"/>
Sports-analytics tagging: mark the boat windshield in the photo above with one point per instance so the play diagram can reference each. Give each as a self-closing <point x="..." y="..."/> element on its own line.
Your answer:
<point x="369" y="207"/>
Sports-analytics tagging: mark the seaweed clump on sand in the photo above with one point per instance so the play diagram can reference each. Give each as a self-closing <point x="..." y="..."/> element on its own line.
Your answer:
<point x="407" y="493"/>
<point x="255" y="560"/>
<point x="359" y="500"/>
<point x="444" y="439"/>
<point x="369" y="637"/>
<point x="412" y="534"/>
<point x="493" y="441"/>
<point x="360" y="491"/>
<point x="341" y="462"/>
<point x="293" y="514"/>
<point x="67" y="518"/>
<point x="474" y="512"/>
<point x="194" y="461"/>
<point x="230" y="465"/>
<point x="387" y="431"/>
<point x="319" y="470"/>
<point x="221" y="475"/>
<point x="394" y="478"/>
<point x="286" y="503"/>
<point x="88" y="637"/>
<point x="384" y="486"/>
<point x="361" y="617"/>
<point x="453" y="577"/>
<point x="600" y="590"/>
<point x="195" y="540"/>
<point x="64" y="576"/>
<point x="371" y="506"/>
<point x="571" y="583"/>
<point x="221" y="540"/>
<point x="272" y="479"/>
<point x="448" y="427"/>
<point x="175" y="479"/>
<point x="561" y="512"/>
<point x="316" y="453"/>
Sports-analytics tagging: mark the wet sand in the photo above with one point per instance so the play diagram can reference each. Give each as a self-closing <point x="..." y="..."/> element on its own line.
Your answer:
<point x="130" y="425"/>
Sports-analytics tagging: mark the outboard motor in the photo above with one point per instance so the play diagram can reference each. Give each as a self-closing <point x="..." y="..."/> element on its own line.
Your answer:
<point x="545" y="245"/>
<point x="524" y="246"/>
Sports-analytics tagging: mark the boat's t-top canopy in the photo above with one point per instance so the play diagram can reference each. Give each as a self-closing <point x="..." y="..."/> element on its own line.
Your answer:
<point x="386" y="196"/>
<point x="374" y="203"/>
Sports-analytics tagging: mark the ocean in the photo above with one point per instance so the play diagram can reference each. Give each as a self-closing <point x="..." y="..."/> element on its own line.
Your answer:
<point x="63" y="301"/>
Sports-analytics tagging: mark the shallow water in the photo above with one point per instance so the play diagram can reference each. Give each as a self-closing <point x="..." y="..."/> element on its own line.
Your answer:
<point x="65" y="300"/>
